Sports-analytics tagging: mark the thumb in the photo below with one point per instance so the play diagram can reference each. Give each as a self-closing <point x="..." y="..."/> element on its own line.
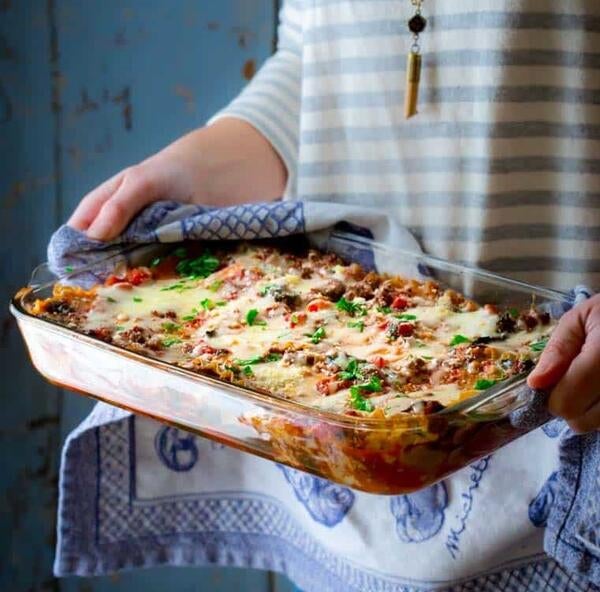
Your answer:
<point x="563" y="347"/>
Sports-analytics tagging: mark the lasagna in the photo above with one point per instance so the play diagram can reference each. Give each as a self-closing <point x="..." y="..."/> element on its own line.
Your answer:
<point x="306" y="326"/>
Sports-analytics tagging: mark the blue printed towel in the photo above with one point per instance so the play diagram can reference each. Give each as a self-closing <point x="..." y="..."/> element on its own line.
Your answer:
<point x="134" y="493"/>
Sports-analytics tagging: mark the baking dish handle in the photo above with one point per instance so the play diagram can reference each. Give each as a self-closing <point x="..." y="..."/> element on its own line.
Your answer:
<point x="511" y="398"/>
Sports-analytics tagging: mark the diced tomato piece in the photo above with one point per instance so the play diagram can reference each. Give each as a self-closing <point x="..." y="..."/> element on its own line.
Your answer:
<point x="139" y="275"/>
<point x="379" y="362"/>
<point x="400" y="303"/>
<point x="207" y="349"/>
<point x="298" y="318"/>
<point x="123" y="285"/>
<point x="383" y="325"/>
<point x="111" y="280"/>
<point x="406" y="329"/>
<point x="319" y="304"/>
<point x="197" y="322"/>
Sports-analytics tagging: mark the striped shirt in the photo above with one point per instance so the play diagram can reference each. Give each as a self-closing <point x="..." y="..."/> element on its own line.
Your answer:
<point x="500" y="168"/>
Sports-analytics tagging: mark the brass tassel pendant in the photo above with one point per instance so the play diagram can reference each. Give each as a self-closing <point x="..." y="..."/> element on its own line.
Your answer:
<point x="416" y="25"/>
<point x="413" y="76"/>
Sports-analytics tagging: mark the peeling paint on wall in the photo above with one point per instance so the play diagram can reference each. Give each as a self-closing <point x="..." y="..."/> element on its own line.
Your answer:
<point x="187" y="94"/>
<point x="86" y="104"/>
<point x="244" y="36"/>
<point x="6" y="110"/>
<point x="124" y="100"/>
<point x="23" y="188"/>
<point x="76" y="155"/>
<point x="249" y="69"/>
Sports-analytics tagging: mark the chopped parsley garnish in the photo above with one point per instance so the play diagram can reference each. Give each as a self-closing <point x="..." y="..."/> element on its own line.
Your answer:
<point x="137" y="299"/>
<point x="317" y="335"/>
<point x="180" y="253"/>
<point x="406" y="317"/>
<point x="294" y="319"/>
<point x="200" y="267"/>
<point x="110" y="299"/>
<point x="120" y="328"/>
<point x="265" y="290"/>
<point x="259" y="359"/>
<point x="352" y="371"/>
<point x="513" y="312"/>
<point x="252" y="360"/>
<point x="214" y="286"/>
<point x="352" y="308"/>
<point x="169" y="341"/>
<point x="69" y="269"/>
<point x="272" y="357"/>
<point x="207" y="304"/>
<point x="457" y="339"/>
<point x="539" y="345"/>
<point x="484" y="383"/>
<point x="191" y="316"/>
<point x="178" y="286"/>
<point x="155" y="262"/>
<point x="360" y="325"/>
<point x="170" y="327"/>
<point x="356" y="394"/>
<point x="373" y="386"/>
<point x="359" y="402"/>
<point x="247" y="370"/>
<point x="384" y="309"/>
<point x="251" y="318"/>
<point x="357" y="399"/>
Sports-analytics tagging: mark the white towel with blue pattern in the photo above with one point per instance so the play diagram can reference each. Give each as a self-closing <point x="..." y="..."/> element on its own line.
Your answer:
<point x="134" y="493"/>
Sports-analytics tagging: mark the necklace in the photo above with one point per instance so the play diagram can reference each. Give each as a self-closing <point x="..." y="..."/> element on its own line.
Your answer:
<point x="416" y="25"/>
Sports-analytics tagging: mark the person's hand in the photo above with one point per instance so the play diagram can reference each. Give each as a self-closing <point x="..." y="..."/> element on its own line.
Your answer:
<point x="226" y="163"/>
<point x="570" y="366"/>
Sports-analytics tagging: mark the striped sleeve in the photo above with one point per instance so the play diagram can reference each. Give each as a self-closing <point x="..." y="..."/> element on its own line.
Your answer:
<point x="271" y="101"/>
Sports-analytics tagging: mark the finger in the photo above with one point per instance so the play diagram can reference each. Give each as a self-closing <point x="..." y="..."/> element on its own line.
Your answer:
<point x="579" y="389"/>
<point x="88" y="208"/>
<point x="588" y="422"/>
<point x="139" y="188"/>
<point x="565" y="343"/>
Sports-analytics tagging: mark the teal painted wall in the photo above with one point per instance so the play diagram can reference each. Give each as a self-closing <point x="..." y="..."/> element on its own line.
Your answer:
<point x="88" y="87"/>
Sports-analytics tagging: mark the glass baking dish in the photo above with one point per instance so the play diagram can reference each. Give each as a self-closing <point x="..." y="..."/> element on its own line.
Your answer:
<point x="395" y="455"/>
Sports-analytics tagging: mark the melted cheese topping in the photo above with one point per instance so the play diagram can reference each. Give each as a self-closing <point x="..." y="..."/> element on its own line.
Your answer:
<point x="239" y="317"/>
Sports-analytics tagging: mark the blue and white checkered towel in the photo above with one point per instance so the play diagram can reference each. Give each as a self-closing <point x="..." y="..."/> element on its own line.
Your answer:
<point x="134" y="493"/>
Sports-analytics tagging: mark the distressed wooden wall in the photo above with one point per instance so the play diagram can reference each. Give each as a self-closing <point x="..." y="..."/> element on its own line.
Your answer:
<point x="86" y="88"/>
